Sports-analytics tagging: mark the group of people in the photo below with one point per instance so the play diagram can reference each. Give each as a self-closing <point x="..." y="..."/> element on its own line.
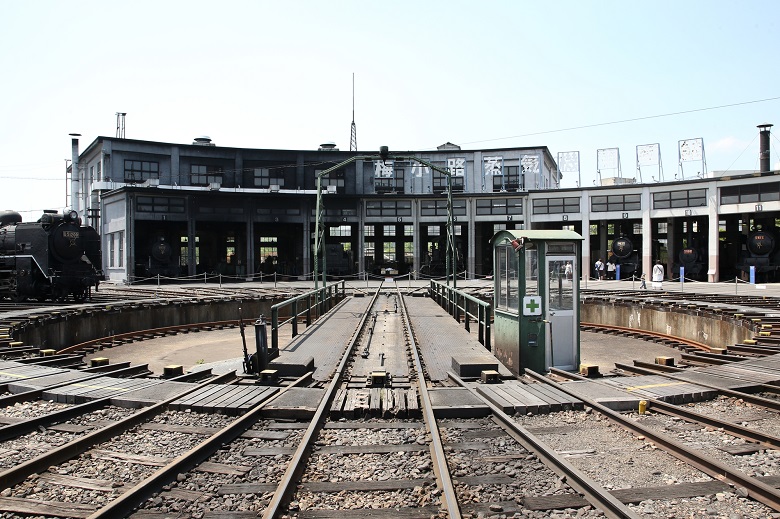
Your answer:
<point x="657" y="274"/>
<point x="608" y="266"/>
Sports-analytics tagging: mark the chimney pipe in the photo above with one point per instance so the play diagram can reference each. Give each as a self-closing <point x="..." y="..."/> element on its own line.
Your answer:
<point x="74" y="171"/>
<point x="763" y="147"/>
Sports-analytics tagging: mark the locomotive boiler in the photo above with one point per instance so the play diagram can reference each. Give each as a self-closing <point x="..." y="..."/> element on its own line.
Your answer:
<point x="53" y="258"/>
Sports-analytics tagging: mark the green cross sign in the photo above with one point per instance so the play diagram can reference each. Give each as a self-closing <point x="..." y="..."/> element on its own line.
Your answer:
<point x="532" y="305"/>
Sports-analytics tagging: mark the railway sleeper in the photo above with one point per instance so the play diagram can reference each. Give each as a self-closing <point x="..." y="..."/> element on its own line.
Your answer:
<point x="378" y="402"/>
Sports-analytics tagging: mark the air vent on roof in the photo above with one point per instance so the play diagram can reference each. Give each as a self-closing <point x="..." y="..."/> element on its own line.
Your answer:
<point x="328" y="146"/>
<point x="203" y="140"/>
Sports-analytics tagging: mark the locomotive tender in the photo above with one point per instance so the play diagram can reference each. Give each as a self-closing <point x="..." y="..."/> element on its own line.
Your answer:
<point x="53" y="258"/>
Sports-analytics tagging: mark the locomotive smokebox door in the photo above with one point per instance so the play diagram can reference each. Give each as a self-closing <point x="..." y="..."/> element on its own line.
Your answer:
<point x="536" y="299"/>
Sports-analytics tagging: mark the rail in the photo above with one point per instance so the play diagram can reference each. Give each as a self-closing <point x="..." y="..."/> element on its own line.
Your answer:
<point x="756" y="489"/>
<point x="296" y="465"/>
<point x="320" y="300"/>
<point x="458" y="303"/>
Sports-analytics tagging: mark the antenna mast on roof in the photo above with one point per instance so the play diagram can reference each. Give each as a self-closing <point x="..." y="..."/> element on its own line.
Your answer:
<point x="353" y="135"/>
<point x="120" y="125"/>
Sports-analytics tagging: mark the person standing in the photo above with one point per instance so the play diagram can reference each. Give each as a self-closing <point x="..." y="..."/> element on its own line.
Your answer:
<point x="599" y="269"/>
<point x="658" y="275"/>
<point x="643" y="286"/>
<point x="567" y="271"/>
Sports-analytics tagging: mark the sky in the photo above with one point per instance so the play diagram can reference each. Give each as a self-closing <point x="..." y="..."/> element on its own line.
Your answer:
<point x="569" y="75"/>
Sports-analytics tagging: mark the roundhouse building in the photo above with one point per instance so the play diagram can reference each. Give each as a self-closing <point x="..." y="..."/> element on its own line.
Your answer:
<point x="185" y="210"/>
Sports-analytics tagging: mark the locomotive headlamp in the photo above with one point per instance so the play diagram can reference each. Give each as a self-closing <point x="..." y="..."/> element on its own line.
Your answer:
<point x="73" y="215"/>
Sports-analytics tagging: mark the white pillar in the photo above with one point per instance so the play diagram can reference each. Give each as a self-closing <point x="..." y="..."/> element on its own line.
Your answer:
<point x="647" y="233"/>
<point x="713" y="235"/>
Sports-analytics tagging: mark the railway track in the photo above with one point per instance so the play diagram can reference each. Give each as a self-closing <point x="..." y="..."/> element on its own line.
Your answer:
<point x="717" y="452"/>
<point x="374" y="440"/>
<point x="668" y="340"/>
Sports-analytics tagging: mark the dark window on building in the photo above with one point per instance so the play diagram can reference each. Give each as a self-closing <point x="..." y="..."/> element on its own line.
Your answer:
<point x="685" y="198"/>
<point x="570" y="204"/>
<point x="224" y="210"/>
<point x="440" y="182"/>
<point x="511" y="180"/>
<point x="388" y="208"/>
<point x="616" y="203"/>
<point x="334" y="178"/>
<point x="265" y="177"/>
<point x="750" y="193"/>
<point x="500" y="206"/>
<point x="439" y="208"/>
<point x="394" y="184"/>
<point x="137" y="171"/>
<point x="203" y="175"/>
<point x="159" y="204"/>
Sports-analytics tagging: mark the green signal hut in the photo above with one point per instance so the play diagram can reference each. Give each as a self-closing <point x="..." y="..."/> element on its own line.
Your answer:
<point x="536" y="299"/>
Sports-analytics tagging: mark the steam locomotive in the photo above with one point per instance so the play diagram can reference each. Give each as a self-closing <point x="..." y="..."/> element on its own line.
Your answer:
<point x="761" y="252"/>
<point x="435" y="262"/>
<point x="692" y="259"/>
<point x="339" y="261"/>
<point x="624" y="254"/>
<point x="53" y="258"/>
<point x="161" y="260"/>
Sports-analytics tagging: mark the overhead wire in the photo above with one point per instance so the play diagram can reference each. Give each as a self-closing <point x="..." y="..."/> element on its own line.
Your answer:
<point x="622" y="121"/>
<point x="742" y="153"/>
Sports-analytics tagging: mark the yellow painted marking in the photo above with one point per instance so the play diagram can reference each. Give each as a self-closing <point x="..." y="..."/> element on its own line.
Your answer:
<point x="634" y="388"/>
<point x="13" y="375"/>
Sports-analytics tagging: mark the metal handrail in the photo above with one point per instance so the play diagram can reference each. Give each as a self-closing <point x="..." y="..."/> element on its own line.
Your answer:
<point x="459" y="304"/>
<point x="320" y="300"/>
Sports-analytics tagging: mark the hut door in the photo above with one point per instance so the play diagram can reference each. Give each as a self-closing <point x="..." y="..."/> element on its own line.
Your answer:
<point x="560" y="312"/>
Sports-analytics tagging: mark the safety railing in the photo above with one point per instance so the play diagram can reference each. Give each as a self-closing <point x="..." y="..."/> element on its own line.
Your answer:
<point x="310" y="305"/>
<point x="461" y="305"/>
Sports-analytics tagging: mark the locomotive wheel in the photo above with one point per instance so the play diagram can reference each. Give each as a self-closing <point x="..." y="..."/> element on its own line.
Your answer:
<point x="16" y="297"/>
<point x="59" y="295"/>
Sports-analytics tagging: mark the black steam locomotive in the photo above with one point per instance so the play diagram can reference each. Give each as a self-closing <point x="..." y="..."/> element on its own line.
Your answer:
<point x="692" y="260"/>
<point x="162" y="260"/>
<point x="53" y="258"/>
<point x="761" y="252"/>
<point x="339" y="261"/>
<point x="624" y="254"/>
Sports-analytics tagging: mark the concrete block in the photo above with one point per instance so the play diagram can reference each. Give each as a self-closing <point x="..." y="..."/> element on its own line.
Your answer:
<point x="291" y="365"/>
<point x="472" y="366"/>
<point x="456" y="403"/>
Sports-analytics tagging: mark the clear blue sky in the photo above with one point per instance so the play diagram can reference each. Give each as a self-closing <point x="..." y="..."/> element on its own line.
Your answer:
<point x="273" y="74"/>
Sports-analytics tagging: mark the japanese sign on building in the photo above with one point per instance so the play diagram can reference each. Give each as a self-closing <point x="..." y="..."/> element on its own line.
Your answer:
<point x="456" y="167"/>
<point x="383" y="169"/>
<point x="494" y="166"/>
<point x="530" y="164"/>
